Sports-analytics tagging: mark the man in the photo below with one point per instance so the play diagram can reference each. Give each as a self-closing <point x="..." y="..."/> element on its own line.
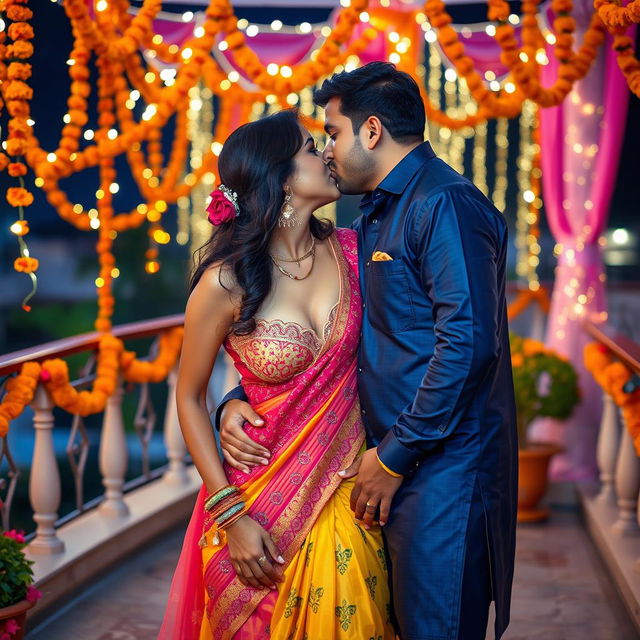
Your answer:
<point x="434" y="366"/>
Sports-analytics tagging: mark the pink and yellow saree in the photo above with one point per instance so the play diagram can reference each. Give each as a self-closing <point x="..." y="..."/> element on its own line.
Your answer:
<point x="335" y="583"/>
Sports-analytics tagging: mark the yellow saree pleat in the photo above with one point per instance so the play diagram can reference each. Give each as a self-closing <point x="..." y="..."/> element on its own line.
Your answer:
<point x="336" y="586"/>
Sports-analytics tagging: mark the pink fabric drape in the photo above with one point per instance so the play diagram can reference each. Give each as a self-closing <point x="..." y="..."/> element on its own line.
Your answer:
<point x="580" y="149"/>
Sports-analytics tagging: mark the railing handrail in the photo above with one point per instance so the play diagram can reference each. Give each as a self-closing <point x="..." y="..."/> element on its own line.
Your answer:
<point x="624" y="348"/>
<point x="11" y="362"/>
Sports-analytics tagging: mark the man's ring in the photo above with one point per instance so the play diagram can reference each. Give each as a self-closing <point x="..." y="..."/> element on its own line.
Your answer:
<point x="262" y="559"/>
<point x="371" y="507"/>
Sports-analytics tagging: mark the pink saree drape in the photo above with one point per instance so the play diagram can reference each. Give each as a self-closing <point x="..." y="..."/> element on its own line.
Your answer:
<point x="313" y="429"/>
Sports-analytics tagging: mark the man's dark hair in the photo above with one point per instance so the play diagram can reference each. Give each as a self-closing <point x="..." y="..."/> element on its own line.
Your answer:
<point x="378" y="89"/>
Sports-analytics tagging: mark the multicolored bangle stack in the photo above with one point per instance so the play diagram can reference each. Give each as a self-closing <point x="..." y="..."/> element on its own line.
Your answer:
<point x="225" y="506"/>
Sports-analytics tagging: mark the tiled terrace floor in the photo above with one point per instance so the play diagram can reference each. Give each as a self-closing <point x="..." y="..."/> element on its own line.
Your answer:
<point x="562" y="592"/>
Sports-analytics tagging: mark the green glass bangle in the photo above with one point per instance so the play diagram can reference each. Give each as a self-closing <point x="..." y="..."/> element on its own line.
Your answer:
<point x="229" y="513"/>
<point x="213" y="500"/>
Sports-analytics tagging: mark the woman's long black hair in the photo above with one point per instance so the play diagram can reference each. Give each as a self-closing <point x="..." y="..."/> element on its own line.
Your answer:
<point x="255" y="162"/>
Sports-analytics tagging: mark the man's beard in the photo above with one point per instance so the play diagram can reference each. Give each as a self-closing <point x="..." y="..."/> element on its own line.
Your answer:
<point x="357" y="169"/>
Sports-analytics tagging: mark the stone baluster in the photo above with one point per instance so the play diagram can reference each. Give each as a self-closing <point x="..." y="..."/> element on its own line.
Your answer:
<point x="627" y="485"/>
<point x="176" y="472"/>
<point x="113" y="456"/>
<point x="607" y="450"/>
<point x="44" y="480"/>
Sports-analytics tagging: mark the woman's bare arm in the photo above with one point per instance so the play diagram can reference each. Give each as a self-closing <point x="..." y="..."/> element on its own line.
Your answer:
<point x="208" y="316"/>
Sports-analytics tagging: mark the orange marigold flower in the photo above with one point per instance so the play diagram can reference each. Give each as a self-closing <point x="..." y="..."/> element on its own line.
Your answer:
<point x="4" y="161"/>
<point x="18" y="13"/>
<point x="517" y="360"/>
<point x="19" y="127"/>
<point x="20" y="49"/>
<point x="18" y="90"/>
<point x="17" y="146"/>
<point x="26" y="264"/>
<point x="17" y="169"/>
<point x="19" y="71"/>
<point x="20" y="31"/>
<point x="19" y="197"/>
<point x="18" y="108"/>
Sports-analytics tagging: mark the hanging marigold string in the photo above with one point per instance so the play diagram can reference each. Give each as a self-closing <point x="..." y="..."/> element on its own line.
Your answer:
<point x="522" y="61"/>
<point x="17" y="94"/>
<point x="613" y="15"/>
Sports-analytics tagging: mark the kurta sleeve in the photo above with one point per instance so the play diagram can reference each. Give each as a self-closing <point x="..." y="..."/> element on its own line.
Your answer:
<point x="456" y="238"/>
<point x="237" y="393"/>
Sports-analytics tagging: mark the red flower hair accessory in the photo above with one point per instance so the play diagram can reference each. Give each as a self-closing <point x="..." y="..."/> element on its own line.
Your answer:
<point x="223" y="206"/>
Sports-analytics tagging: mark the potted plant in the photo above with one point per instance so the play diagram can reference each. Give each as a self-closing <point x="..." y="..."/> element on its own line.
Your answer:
<point x="546" y="385"/>
<point x="17" y="594"/>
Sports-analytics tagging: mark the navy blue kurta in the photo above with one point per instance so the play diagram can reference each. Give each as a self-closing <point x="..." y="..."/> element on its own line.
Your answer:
<point x="435" y="384"/>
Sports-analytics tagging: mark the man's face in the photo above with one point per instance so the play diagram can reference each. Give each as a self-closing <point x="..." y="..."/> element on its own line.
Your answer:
<point x="352" y="166"/>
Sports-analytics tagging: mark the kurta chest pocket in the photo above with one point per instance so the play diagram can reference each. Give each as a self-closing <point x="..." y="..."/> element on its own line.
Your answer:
<point x="389" y="297"/>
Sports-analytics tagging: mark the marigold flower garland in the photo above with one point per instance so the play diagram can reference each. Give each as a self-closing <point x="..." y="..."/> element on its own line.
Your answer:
<point x="613" y="15"/>
<point x="522" y="63"/>
<point x="498" y="105"/>
<point x="17" y="93"/>
<point x="612" y="376"/>
<point x="19" y="393"/>
<point x="112" y="359"/>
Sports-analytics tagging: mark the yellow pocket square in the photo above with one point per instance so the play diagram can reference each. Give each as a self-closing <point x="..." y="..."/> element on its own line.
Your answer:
<point x="380" y="256"/>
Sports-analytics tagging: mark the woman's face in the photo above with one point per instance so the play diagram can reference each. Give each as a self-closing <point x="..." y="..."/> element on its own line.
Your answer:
<point x="312" y="182"/>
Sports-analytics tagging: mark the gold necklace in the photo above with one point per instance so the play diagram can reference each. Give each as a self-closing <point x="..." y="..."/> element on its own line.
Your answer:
<point x="301" y="258"/>
<point x="284" y="272"/>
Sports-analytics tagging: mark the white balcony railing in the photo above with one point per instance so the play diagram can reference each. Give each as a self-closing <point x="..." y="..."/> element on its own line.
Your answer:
<point x="69" y="550"/>
<point x="612" y="508"/>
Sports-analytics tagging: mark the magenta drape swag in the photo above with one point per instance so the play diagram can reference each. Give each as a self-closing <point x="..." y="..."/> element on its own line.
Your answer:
<point x="580" y="149"/>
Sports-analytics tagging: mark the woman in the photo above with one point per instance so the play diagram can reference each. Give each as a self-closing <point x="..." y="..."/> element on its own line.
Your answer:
<point x="274" y="552"/>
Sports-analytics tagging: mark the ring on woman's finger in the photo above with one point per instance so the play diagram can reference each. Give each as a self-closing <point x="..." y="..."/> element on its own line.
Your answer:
<point x="262" y="559"/>
<point x="371" y="507"/>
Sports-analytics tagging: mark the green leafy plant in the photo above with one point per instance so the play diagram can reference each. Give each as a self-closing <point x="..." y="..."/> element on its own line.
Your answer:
<point x="16" y="575"/>
<point x="545" y="384"/>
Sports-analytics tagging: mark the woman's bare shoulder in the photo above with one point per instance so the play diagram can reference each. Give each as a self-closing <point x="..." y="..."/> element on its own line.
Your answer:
<point x="216" y="287"/>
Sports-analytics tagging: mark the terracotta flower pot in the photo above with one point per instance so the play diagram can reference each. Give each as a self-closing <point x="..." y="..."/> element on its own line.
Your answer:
<point x="18" y="613"/>
<point x="532" y="480"/>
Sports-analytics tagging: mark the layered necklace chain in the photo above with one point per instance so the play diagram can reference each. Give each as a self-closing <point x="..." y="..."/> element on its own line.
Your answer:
<point x="297" y="260"/>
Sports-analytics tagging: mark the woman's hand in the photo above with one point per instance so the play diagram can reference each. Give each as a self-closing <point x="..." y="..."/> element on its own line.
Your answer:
<point x="239" y="450"/>
<point x="254" y="555"/>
